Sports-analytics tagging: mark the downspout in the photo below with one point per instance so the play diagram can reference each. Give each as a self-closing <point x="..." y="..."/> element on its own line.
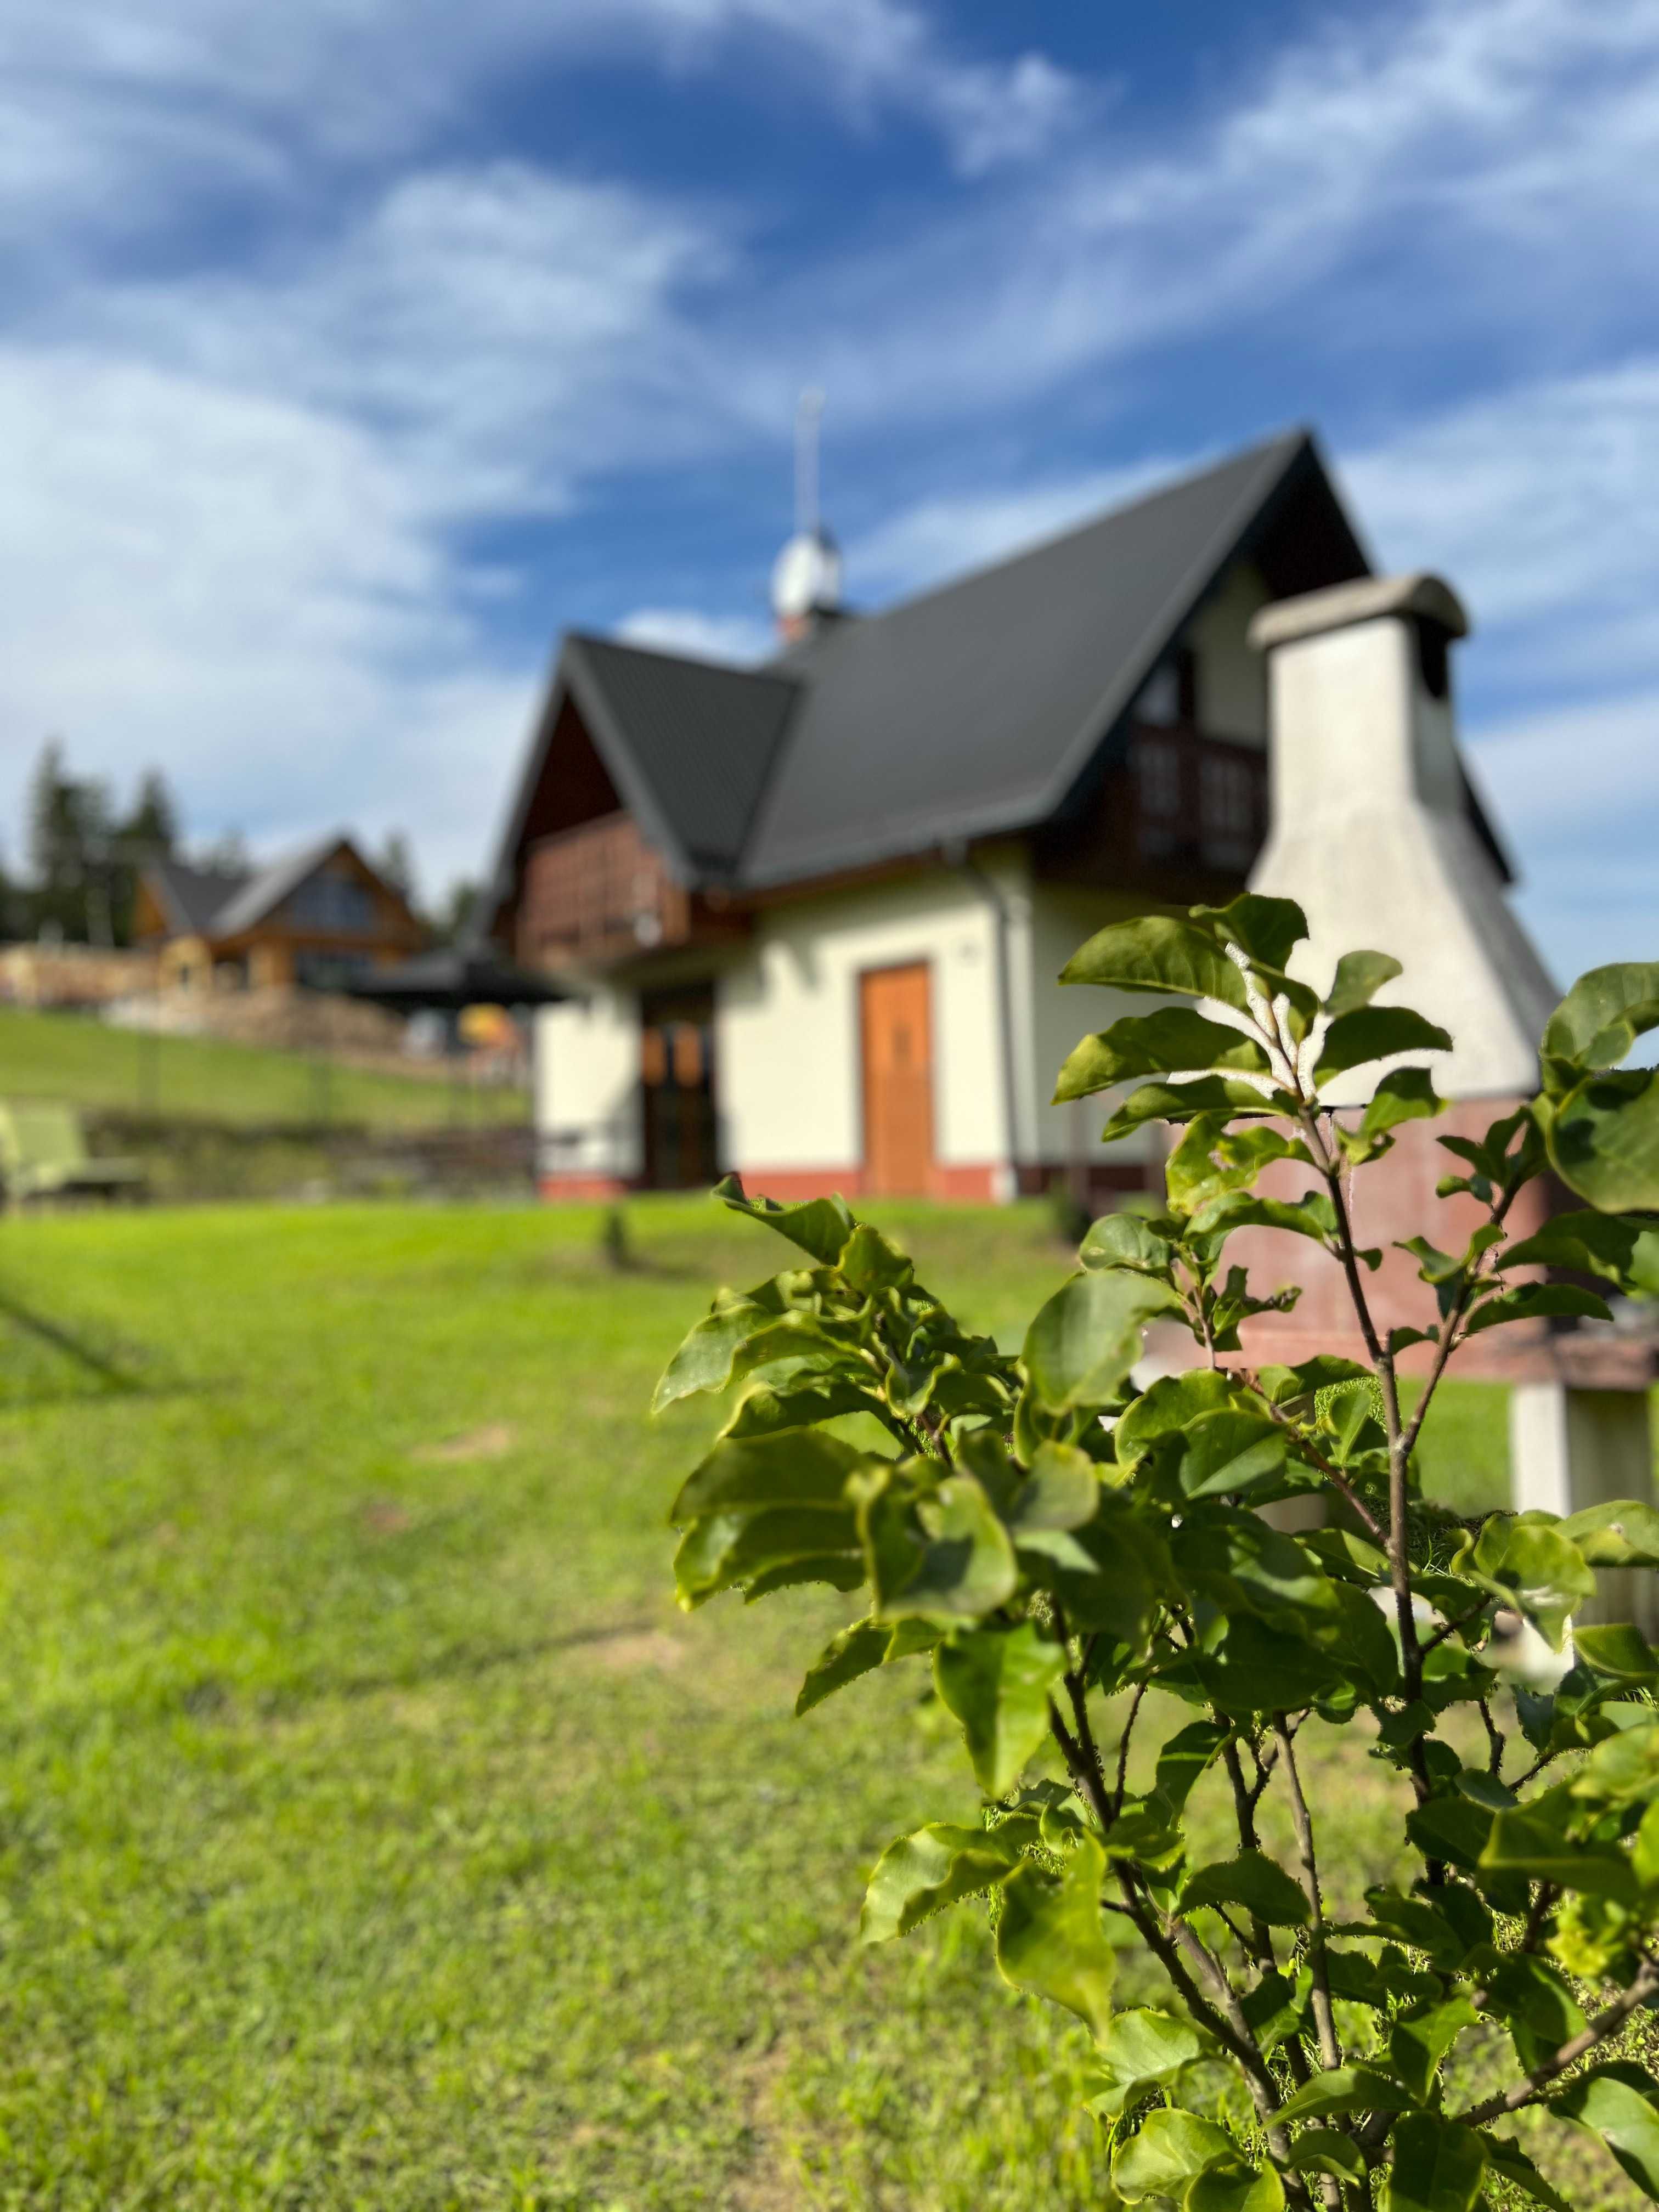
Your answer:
<point x="957" y="857"/>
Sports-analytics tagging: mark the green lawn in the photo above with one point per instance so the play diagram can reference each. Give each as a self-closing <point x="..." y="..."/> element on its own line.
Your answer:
<point x="71" y="1056"/>
<point x="375" y="1834"/>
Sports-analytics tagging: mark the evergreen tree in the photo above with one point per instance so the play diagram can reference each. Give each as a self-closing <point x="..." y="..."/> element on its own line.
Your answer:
<point x="395" y="862"/>
<point x="69" y="831"/>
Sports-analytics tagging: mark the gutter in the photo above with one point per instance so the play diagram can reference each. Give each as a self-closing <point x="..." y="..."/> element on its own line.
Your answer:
<point x="958" y="858"/>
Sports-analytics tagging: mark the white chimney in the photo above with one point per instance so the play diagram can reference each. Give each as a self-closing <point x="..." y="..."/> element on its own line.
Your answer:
<point x="1370" y="828"/>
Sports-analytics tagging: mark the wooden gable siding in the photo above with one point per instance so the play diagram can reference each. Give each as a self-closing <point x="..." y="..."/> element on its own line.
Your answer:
<point x="597" y="892"/>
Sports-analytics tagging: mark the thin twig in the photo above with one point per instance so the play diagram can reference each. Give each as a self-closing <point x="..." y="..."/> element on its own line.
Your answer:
<point x="1330" y="2051"/>
<point x="1536" y="2087"/>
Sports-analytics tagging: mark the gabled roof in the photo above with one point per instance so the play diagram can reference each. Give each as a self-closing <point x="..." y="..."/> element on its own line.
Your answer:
<point x="969" y="711"/>
<point x="691" y="745"/>
<point x="190" y="897"/>
<point x="267" y="887"/>
<point x="221" y="903"/>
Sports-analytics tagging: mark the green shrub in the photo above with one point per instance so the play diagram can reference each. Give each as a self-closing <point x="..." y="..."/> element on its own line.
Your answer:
<point x="1085" y="1563"/>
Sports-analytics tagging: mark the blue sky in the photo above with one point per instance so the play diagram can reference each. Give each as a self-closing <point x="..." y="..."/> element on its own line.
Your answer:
<point x="348" y="349"/>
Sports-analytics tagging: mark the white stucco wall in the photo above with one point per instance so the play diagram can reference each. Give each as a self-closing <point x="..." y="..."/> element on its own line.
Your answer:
<point x="1062" y="917"/>
<point x="1232" y="687"/>
<point x="786" y="1024"/>
<point x="587" y="1070"/>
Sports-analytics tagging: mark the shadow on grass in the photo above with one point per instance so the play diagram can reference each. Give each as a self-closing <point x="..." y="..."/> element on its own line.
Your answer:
<point x="100" y="1369"/>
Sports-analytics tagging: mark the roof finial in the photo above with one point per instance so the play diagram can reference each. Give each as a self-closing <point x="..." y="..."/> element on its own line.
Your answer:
<point x="809" y="416"/>
<point x="806" y="576"/>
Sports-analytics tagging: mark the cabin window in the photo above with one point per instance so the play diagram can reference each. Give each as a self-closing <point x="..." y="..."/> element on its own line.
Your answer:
<point x="332" y="902"/>
<point x="1226" y="802"/>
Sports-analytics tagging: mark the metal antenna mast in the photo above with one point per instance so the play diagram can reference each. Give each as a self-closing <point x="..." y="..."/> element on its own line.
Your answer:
<point x="809" y="414"/>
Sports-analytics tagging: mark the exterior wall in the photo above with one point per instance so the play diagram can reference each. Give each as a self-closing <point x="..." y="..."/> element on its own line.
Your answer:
<point x="1068" y="1137"/>
<point x="586" y="1090"/>
<point x="788" y="1059"/>
<point x="1232" y="687"/>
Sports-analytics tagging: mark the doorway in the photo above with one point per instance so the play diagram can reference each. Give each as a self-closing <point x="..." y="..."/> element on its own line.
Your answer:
<point x="896" y="1027"/>
<point x="676" y="1088"/>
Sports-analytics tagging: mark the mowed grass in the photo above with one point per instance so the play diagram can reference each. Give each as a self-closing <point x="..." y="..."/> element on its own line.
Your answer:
<point x="88" y="1063"/>
<point x="374" y="1832"/>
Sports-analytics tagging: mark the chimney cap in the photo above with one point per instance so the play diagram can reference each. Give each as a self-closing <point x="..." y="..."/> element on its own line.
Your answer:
<point x="1430" y="597"/>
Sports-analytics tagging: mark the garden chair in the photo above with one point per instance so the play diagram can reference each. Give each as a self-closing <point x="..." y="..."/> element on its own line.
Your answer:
<point x="43" y="1155"/>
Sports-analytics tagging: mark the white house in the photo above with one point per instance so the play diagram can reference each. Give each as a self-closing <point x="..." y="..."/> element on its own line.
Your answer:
<point x="810" y="914"/>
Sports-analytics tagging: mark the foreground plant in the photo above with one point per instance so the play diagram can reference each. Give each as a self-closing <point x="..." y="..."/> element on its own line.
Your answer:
<point x="1061" y="1542"/>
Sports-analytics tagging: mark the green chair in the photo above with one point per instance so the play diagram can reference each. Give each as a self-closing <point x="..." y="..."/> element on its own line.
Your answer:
<point x="43" y="1155"/>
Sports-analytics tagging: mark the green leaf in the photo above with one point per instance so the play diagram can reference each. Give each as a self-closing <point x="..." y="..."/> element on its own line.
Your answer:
<point x="1171" y="1403"/>
<point x="1531" y="1998"/>
<point x="1264" y="1669"/>
<point x="819" y="1226"/>
<point x="724" y="1551"/>
<point x="1345" y="2089"/>
<point x="796" y="1466"/>
<point x="1176" y="1040"/>
<point x="1184" y="1758"/>
<point x="1231" y="1451"/>
<point x="762" y="1411"/>
<point x="1604" y="1141"/>
<point x="1253" y="1881"/>
<point x="920" y="1875"/>
<point x="870" y="1261"/>
<point x="856" y="1650"/>
<point x="1623" y="1769"/>
<point x="1359" y="977"/>
<point x="1082" y="1344"/>
<point x="963" y="1569"/>
<point x="1595" y="1244"/>
<point x="1230" y="2184"/>
<point x="1268" y="930"/>
<point x="1234" y="1097"/>
<point x="1620" y="1534"/>
<point x="1604" y="1013"/>
<point x="1615" y="2102"/>
<point x="1405" y="1094"/>
<point x="1125" y="1240"/>
<point x="1144" y="2050"/>
<point x="1283" y="1385"/>
<point x="1507" y="2158"/>
<point x="1534" y="1301"/>
<point x="1062" y="1491"/>
<point x="1439" y="2166"/>
<point x="1620" y="1651"/>
<point x="704" y="1360"/>
<point x="1527" y="1559"/>
<point x="1169" y="2147"/>
<point x="1127" y="1573"/>
<point x="996" y="1681"/>
<point x="1532" y="1840"/>
<point x="1375" y="1033"/>
<point x="1418" y="2043"/>
<point x="1155" y="952"/>
<point x="1051" y="1938"/>
<point x="1310" y="1216"/>
<point x="1323" y="2150"/>
<point x="1213" y="1158"/>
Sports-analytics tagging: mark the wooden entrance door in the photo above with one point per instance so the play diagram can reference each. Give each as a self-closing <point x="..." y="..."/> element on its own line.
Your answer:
<point x="676" y="1087"/>
<point x="896" y="1025"/>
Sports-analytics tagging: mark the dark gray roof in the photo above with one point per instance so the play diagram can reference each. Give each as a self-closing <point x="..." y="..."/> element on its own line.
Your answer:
<point x="970" y="711"/>
<point x="973" y="708"/>
<point x="221" y="903"/>
<point x="689" y="745"/>
<point x="190" y="898"/>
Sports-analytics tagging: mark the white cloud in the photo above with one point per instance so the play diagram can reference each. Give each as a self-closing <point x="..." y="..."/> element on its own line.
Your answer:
<point x="239" y="590"/>
<point x="701" y="636"/>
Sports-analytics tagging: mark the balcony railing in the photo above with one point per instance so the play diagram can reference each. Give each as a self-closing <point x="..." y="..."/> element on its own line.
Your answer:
<point x="1196" y="802"/>
<point x="599" y="894"/>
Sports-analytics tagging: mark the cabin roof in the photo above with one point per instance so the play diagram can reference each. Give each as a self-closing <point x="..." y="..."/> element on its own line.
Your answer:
<point x="223" y="902"/>
<point x="971" y="710"/>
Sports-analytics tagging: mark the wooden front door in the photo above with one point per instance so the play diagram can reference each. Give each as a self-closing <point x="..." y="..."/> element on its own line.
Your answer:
<point x="897" y="1028"/>
<point x="676" y="1088"/>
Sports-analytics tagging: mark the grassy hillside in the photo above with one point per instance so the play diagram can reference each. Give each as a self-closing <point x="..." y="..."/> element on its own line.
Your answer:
<point x="58" y="1056"/>
<point x="373" y="1831"/>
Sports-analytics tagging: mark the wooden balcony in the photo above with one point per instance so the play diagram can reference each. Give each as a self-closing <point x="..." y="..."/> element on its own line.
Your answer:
<point x="599" y="894"/>
<point x="1183" y="814"/>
